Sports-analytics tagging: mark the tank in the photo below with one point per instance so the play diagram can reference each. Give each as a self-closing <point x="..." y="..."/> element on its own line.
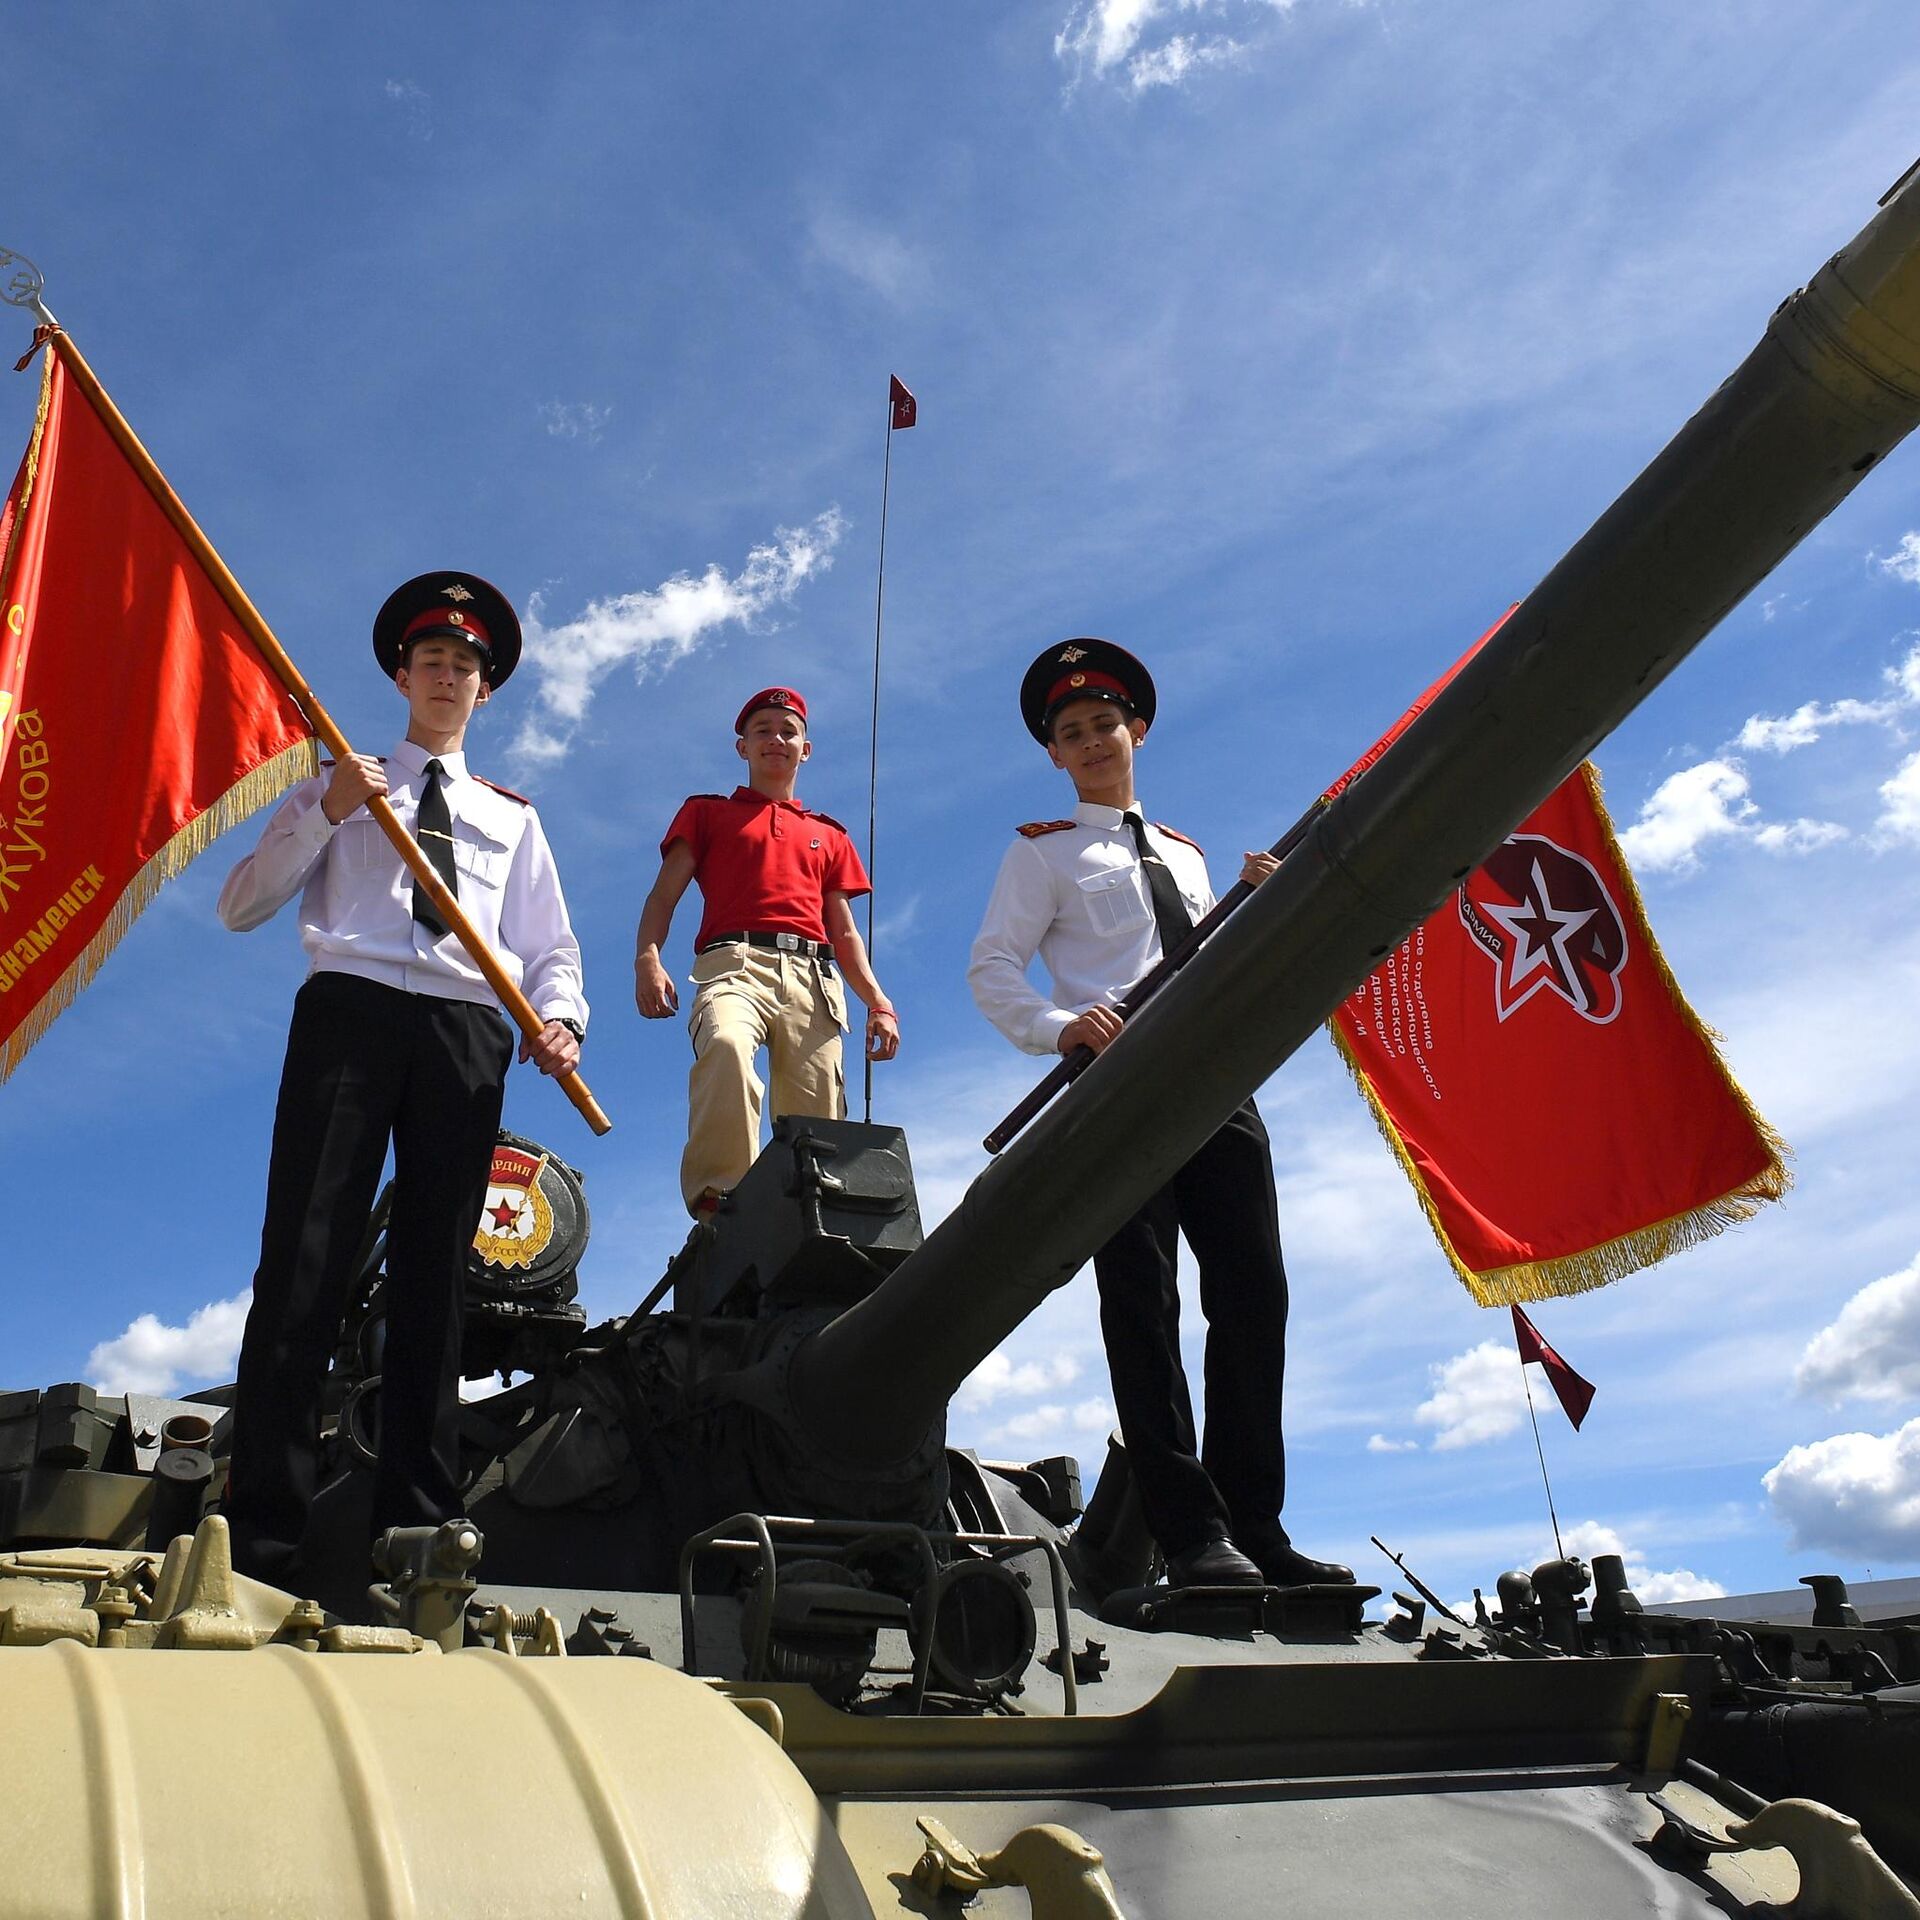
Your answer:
<point x="729" y="1628"/>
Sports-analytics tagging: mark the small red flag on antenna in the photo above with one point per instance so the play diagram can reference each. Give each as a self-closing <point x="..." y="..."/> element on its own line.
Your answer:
<point x="906" y="409"/>
<point x="1575" y="1394"/>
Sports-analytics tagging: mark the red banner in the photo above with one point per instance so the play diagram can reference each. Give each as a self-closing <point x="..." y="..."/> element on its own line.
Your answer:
<point x="906" y="409"/>
<point x="137" y="721"/>
<point x="1561" y="1111"/>
<point x="1574" y="1394"/>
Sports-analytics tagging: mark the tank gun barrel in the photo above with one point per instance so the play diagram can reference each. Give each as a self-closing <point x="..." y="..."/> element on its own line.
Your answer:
<point x="1832" y="386"/>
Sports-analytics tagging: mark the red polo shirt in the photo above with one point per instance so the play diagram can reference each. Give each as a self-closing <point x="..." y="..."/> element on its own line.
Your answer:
<point x="764" y="866"/>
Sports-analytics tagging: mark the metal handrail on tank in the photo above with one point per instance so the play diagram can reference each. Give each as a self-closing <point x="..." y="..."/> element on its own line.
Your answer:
<point x="1832" y="386"/>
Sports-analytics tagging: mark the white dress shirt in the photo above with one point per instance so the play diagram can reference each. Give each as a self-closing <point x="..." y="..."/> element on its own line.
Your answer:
<point x="356" y="898"/>
<point x="1079" y="899"/>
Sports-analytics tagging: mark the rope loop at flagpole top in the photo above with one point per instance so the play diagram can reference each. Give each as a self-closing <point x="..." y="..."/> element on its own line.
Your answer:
<point x="518" y="1008"/>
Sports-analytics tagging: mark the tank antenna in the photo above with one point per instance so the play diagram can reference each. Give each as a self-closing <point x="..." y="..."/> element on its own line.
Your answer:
<point x="21" y="284"/>
<point x="1544" y="1481"/>
<point x="902" y="411"/>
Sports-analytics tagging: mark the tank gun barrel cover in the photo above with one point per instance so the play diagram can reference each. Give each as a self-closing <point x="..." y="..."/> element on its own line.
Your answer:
<point x="1831" y="388"/>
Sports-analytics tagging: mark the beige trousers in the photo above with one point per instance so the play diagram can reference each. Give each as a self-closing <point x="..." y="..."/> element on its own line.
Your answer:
<point x="747" y="998"/>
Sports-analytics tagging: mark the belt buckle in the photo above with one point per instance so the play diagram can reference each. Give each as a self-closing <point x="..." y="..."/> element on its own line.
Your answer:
<point x="787" y="942"/>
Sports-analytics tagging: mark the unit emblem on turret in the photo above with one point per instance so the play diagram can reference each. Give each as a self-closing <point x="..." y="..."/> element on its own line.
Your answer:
<point x="516" y="1221"/>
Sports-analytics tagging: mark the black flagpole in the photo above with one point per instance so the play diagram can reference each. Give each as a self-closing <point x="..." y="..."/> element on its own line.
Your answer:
<point x="1544" y="1481"/>
<point x="873" y="746"/>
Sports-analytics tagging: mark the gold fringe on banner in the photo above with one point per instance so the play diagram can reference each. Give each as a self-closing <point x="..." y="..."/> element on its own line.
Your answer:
<point x="1612" y="1259"/>
<point x="247" y="795"/>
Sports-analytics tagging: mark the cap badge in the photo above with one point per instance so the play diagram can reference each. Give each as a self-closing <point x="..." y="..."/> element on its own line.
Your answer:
<point x="458" y="618"/>
<point x="778" y="698"/>
<point x="1076" y="680"/>
<point x="1068" y="655"/>
<point x="456" y="592"/>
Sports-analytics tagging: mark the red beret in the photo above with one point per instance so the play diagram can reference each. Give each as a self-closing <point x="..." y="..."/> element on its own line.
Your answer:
<point x="771" y="697"/>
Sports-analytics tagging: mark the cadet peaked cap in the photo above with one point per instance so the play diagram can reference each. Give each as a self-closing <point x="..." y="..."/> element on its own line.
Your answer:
<point x="448" y="606"/>
<point x="1083" y="669"/>
<point x="771" y="697"/>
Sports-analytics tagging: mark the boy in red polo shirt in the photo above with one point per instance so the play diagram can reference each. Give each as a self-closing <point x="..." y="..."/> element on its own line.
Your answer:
<point x="776" y="880"/>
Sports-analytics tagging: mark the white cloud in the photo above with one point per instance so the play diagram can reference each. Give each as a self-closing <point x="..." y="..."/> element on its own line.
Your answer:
<point x="575" y="420"/>
<point x="1051" y="1426"/>
<point x="1477" y="1396"/>
<point x="880" y="261"/>
<point x="1687" y="809"/>
<point x="997" y="1377"/>
<point x="1169" y="65"/>
<point x="1798" y="836"/>
<point x="1900" y="802"/>
<point x="152" y="1357"/>
<point x="1904" y="561"/>
<point x="1120" y="39"/>
<point x="1710" y="802"/>
<point x="1856" y="1495"/>
<point x="1379" y="1443"/>
<point x="656" y="626"/>
<point x="1586" y="1538"/>
<point x="1805" y="724"/>
<point x="1871" y="1351"/>
<point x="1763" y="733"/>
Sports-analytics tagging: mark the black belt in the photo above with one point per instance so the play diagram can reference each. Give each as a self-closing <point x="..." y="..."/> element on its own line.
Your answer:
<point x="776" y="943"/>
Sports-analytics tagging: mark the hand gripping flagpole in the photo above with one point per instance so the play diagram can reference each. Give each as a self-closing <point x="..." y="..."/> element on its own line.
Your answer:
<point x="21" y="284"/>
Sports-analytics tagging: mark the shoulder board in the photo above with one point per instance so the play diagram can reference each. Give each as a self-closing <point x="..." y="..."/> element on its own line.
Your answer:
<point x="1174" y="833"/>
<point x="1035" y="828"/>
<point x="498" y="788"/>
<point x="826" y="819"/>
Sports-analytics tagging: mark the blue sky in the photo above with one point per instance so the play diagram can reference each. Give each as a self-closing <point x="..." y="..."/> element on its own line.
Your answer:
<point x="1284" y="344"/>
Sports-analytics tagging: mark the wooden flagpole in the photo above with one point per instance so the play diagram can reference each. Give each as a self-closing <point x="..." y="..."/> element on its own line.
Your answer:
<point x="519" y="1009"/>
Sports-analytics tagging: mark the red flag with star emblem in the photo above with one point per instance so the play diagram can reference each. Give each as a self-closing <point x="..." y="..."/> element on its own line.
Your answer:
<point x="1564" y="1116"/>
<point x="906" y="409"/>
<point x="137" y="721"/>
<point x="1574" y="1394"/>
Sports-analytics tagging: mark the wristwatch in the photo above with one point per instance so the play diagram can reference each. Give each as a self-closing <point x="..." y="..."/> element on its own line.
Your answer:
<point x="574" y="1027"/>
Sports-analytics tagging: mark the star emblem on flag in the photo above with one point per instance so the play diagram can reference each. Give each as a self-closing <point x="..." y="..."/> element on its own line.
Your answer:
<point x="1546" y="920"/>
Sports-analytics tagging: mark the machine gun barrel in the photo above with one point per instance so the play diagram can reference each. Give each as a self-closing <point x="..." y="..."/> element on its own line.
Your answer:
<point x="1832" y="386"/>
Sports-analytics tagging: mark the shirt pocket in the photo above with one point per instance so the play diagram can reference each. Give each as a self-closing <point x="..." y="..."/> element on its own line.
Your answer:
<point x="362" y="846"/>
<point x="1114" y="901"/>
<point x="478" y="857"/>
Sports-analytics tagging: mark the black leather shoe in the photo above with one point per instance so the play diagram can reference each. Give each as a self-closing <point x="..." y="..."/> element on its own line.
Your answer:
<point x="1286" y="1566"/>
<point x="1213" y="1563"/>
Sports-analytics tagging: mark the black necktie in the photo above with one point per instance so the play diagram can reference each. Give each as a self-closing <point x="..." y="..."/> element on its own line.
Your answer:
<point x="434" y="830"/>
<point x="1170" y="913"/>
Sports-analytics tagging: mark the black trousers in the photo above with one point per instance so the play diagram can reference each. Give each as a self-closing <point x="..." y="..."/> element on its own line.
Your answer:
<point x="1223" y="1200"/>
<point x="365" y="1063"/>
